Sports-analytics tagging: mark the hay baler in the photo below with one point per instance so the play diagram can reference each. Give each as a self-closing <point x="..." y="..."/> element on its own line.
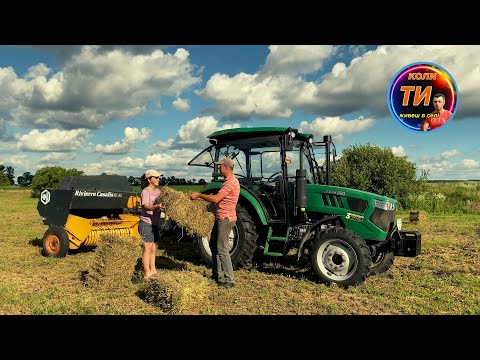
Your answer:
<point x="83" y="208"/>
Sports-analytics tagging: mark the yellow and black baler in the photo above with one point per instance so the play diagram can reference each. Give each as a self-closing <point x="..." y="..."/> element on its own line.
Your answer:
<point x="83" y="208"/>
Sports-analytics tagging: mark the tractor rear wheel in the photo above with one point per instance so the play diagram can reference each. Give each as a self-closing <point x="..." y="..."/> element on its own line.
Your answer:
<point x="241" y="241"/>
<point x="55" y="242"/>
<point x="339" y="256"/>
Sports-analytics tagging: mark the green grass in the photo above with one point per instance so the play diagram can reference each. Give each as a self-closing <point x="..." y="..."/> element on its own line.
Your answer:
<point x="443" y="279"/>
<point x="14" y="187"/>
<point x="447" y="197"/>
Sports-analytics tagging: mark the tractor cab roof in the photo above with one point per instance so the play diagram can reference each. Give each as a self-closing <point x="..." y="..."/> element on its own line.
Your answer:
<point x="236" y="135"/>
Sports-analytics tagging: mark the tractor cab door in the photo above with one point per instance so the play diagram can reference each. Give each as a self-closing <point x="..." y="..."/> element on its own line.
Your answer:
<point x="266" y="175"/>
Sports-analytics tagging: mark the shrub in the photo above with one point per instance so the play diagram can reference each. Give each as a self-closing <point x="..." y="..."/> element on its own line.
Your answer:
<point x="370" y="168"/>
<point x="50" y="177"/>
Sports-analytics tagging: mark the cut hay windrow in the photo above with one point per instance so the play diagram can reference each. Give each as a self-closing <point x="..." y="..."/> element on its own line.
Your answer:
<point x="114" y="262"/>
<point x="178" y="292"/>
<point x="193" y="215"/>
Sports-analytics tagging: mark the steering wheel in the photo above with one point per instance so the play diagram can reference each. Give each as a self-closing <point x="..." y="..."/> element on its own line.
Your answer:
<point x="270" y="178"/>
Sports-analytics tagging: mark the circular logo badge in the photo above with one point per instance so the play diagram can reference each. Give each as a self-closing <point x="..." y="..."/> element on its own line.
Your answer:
<point x="45" y="197"/>
<point x="423" y="97"/>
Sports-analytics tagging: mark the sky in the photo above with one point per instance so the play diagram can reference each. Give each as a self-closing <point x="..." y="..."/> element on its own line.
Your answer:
<point x="120" y="109"/>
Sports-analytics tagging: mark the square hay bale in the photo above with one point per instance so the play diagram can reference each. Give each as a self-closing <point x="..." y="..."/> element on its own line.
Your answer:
<point x="114" y="262"/>
<point x="418" y="216"/>
<point x="193" y="215"/>
<point x="178" y="292"/>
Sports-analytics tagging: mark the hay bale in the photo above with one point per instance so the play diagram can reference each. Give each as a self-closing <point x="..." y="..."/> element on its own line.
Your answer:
<point x="418" y="216"/>
<point x="114" y="262"/>
<point x="193" y="215"/>
<point x="178" y="292"/>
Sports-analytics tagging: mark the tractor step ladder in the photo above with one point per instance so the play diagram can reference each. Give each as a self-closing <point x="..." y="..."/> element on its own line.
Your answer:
<point x="276" y="242"/>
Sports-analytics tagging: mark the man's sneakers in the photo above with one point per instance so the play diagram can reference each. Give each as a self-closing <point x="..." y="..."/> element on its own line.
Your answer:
<point x="226" y="285"/>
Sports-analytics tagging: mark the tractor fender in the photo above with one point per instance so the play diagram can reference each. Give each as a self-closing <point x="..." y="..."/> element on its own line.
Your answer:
<point x="312" y="229"/>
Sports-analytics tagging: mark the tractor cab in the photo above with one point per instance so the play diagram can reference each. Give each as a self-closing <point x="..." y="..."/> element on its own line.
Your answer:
<point x="266" y="163"/>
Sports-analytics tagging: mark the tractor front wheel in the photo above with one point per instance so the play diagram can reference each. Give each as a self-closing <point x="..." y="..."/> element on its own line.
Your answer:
<point x="55" y="242"/>
<point x="339" y="256"/>
<point x="381" y="262"/>
<point x="241" y="241"/>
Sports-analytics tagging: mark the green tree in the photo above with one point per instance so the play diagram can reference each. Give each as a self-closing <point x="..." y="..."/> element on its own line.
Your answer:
<point x="134" y="180"/>
<point x="25" y="179"/>
<point x="370" y="168"/>
<point x="50" y="177"/>
<point x="9" y="171"/>
<point x="4" y="180"/>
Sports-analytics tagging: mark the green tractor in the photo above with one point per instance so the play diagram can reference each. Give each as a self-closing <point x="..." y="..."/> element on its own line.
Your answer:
<point x="286" y="201"/>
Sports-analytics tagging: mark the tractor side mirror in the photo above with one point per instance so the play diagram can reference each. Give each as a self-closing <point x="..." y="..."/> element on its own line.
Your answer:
<point x="291" y="136"/>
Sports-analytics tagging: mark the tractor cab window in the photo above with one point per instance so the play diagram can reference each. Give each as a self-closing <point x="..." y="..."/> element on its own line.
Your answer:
<point x="265" y="163"/>
<point x="205" y="158"/>
<point x="293" y="163"/>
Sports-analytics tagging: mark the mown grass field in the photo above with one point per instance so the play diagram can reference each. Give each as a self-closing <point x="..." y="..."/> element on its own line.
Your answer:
<point x="444" y="279"/>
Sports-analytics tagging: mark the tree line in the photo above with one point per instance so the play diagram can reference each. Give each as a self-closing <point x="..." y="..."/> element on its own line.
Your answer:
<point x="50" y="177"/>
<point x="7" y="177"/>
<point x="363" y="167"/>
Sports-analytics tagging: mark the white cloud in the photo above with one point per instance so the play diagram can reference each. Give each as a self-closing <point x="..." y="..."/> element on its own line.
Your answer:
<point x="181" y="104"/>
<point x="359" y="86"/>
<point x="466" y="169"/>
<point x="132" y="136"/>
<point x="440" y="157"/>
<point x="246" y="95"/>
<point x="296" y="59"/>
<point x="363" y="83"/>
<point x="93" y="87"/>
<point x="335" y="126"/>
<point x="469" y="163"/>
<point x="398" y="150"/>
<point x="194" y="133"/>
<point x="164" y="144"/>
<point x="4" y="135"/>
<point x="124" y="166"/>
<point x="37" y="71"/>
<point x="172" y="163"/>
<point x="17" y="161"/>
<point x="56" y="157"/>
<point x="450" y="153"/>
<point x="52" y="140"/>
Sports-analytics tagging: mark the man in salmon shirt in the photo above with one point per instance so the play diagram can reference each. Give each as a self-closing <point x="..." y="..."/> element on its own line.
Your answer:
<point x="225" y="218"/>
<point x="437" y="118"/>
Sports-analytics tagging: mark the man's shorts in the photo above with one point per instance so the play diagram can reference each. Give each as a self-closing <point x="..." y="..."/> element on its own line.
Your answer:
<point x="150" y="233"/>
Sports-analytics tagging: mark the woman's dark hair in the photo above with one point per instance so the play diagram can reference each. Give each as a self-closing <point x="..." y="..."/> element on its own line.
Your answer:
<point x="143" y="182"/>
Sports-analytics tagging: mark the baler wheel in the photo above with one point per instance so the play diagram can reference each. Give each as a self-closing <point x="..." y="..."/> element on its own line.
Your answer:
<point x="55" y="242"/>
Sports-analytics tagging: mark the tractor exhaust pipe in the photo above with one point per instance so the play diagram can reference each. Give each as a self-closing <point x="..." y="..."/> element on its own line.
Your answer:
<point x="301" y="189"/>
<point x="327" y="139"/>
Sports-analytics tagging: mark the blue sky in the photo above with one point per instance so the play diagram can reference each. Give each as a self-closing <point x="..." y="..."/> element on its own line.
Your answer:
<point x="125" y="109"/>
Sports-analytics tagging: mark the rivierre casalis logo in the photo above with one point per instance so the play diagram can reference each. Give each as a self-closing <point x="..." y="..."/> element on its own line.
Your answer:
<point x="423" y="97"/>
